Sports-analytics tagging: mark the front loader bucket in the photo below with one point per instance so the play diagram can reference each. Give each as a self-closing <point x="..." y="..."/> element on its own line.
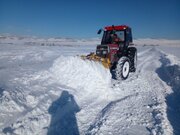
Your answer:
<point x="92" y="56"/>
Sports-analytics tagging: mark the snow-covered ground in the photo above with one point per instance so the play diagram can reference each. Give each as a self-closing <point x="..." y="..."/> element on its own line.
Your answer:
<point x="45" y="88"/>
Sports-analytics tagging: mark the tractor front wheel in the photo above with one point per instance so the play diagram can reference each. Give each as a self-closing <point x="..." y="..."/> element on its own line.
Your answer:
<point x="122" y="68"/>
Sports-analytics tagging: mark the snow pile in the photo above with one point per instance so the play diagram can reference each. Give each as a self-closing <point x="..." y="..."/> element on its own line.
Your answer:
<point x="77" y="73"/>
<point x="80" y="78"/>
<point x="174" y="60"/>
<point x="8" y="105"/>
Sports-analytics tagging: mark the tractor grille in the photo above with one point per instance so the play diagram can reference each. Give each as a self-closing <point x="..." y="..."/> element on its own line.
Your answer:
<point x="102" y="51"/>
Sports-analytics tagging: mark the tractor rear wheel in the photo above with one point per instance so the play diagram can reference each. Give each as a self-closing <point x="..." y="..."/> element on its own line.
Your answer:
<point x="122" y="68"/>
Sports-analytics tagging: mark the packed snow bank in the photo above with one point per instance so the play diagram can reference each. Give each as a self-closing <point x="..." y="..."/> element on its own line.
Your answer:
<point x="169" y="72"/>
<point x="77" y="73"/>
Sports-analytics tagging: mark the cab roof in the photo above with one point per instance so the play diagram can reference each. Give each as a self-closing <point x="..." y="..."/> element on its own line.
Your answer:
<point x="118" y="27"/>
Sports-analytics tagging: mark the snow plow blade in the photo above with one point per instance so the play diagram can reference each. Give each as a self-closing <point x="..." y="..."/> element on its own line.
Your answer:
<point x="92" y="56"/>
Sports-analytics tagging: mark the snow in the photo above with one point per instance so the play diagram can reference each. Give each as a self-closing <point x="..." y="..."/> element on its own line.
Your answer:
<point x="45" y="88"/>
<point x="150" y="41"/>
<point x="84" y="72"/>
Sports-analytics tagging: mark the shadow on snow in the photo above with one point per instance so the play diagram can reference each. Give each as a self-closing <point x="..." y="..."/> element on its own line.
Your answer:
<point x="171" y="75"/>
<point x="63" y="116"/>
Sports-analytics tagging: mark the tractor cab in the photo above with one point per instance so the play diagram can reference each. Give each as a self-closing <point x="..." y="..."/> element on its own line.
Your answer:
<point x="122" y="32"/>
<point x="114" y="43"/>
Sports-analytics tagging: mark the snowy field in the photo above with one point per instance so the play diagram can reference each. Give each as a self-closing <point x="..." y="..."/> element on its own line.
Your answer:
<point x="45" y="88"/>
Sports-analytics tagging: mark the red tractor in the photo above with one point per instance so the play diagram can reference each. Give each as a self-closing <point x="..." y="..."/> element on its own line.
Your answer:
<point x="116" y="51"/>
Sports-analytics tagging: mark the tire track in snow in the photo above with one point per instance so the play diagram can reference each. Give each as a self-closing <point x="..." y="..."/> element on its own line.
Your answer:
<point x="151" y="92"/>
<point x="147" y="70"/>
<point x="102" y="116"/>
<point x="161" y="124"/>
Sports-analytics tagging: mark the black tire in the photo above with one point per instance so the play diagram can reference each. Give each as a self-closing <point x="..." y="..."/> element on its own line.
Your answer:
<point x="122" y="68"/>
<point x="132" y="55"/>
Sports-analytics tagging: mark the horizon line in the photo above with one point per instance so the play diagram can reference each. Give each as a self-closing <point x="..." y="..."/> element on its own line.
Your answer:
<point x="70" y="37"/>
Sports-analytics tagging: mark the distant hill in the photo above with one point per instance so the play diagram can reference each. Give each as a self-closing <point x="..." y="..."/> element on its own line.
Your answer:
<point x="9" y="39"/>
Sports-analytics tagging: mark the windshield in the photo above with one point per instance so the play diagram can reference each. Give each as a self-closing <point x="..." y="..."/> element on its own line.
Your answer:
<point x="108" y="36"/>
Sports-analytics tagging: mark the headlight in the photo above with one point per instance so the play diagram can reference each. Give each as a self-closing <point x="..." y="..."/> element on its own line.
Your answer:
<point x="97" y="52"/>
<point x="104" y="52"/>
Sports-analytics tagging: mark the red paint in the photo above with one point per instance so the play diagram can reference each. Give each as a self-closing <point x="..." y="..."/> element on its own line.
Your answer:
<point x="113" y="49"/>
<point x="119" y="27"/>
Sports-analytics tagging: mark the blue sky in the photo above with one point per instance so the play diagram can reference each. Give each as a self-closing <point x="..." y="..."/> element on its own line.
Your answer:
<point x="82" y="18"/>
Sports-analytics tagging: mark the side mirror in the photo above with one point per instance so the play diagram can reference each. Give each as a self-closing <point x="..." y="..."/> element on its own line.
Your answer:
<point x="99" y="31"/>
